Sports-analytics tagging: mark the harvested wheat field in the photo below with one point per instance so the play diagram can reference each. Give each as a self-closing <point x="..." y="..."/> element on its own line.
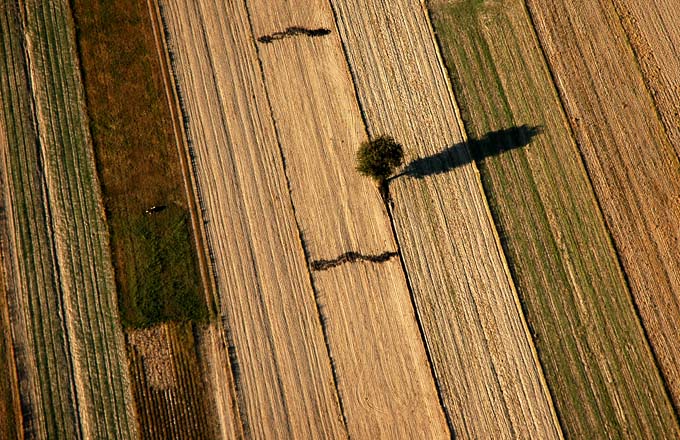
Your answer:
<point x="632" y="164"/>
<point x="326" y="232"/>
<point x="568" y="277"/>
<point x="188" y="248"/>
<point x="365" y="306"/>
<point x="69" y="349"/>
<point x="464" y="295"/>
<point x="285" y="382"/>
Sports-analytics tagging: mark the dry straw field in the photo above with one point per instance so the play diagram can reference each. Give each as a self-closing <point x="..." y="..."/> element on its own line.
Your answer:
<point x="188" y="251"/>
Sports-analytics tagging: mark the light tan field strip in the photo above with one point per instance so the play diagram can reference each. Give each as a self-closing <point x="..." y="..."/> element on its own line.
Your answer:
<point x="242" y="140"/>
<point x="266" y="297"/>
<point x="373" y="336"/>
<point x="633" y="167"/>
<point x="595" y="355"/>
<point x="483" y="355"/>
<point x="653" y="30"/>
<point x="63" y="242"/>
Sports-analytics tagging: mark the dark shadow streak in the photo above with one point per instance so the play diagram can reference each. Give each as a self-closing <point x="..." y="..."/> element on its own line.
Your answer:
<point x="491" y="144"/>
<point x="349" y="257"/>
<point x="293" y="31"/>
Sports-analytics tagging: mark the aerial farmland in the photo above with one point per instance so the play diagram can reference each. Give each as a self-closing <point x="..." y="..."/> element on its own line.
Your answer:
<point x="201" y="237"/>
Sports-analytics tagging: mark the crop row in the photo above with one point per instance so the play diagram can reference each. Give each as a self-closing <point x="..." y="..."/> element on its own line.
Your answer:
<point x="64" y="305"/>
<point x="168" y="384"/>
<point x="567" y="273"/>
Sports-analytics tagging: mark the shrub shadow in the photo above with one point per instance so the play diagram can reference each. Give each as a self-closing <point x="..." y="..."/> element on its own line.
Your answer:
<point x="491" y="144"/>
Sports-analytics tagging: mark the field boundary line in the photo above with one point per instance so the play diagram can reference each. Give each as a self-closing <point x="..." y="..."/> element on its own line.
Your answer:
<point x="193" y="194"/>
<point x="303" y="244"/>
<point x="499" y="246"/>
<point x="612" y="243"/>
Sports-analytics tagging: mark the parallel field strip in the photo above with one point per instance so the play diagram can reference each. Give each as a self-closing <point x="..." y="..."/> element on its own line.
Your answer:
<point x="211" y="349"/>
<point x="653" y="31"/>
<point x="490" y="378"/>
<point x="40" y="348"/>
<point x="169" y="384"/>
<point x="381" y="366"/>
<point x="10" y="405"/>
<point x="594" y="353"/>
<point x="61" y="242"/>
<point x="266" y="301"/>
<point x="631" y="162"/>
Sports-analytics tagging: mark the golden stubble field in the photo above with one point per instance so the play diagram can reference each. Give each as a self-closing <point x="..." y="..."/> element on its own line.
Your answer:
<point x="364" y="401"/>
<point x="299" y="120"/>
<point x="334" y="312"/>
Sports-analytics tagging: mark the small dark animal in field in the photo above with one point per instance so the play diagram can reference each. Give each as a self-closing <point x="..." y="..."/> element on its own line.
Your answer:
<point x="155" y="209"/>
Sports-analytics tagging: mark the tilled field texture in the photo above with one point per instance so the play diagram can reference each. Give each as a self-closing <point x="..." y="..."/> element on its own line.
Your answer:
<point x="595" y="355"/>
<point x="490" y="379"/>
<point x="10" y="409"/>
<point x="69" y="350"/>
<point x="633" y="167"/>
<point x="653" y="31"/>
<point x="329" y="94"/>
<point x="169" y="384"/>
<point x="266" y="302"/>
<point x="381" y="366"/>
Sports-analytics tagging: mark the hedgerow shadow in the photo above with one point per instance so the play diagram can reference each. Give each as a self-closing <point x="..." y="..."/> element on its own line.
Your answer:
<point x="491" y="144"/>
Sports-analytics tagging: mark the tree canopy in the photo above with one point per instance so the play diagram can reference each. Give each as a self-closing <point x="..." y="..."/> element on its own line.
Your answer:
<point x="379" y="157"/>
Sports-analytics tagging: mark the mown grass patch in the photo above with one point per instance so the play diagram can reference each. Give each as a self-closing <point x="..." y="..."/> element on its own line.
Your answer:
<point x="155" y="258"/>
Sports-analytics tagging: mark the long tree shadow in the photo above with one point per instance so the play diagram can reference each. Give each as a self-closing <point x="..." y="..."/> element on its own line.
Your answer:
<point x="491" y="144"/>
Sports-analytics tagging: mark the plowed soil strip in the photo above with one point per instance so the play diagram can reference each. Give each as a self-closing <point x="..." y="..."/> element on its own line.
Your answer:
<point x="567" y="272"/>
<point x="265" y="294"/>
<point x="76" y="369"/>
<point x="483" y="355"/>
<point x="370" y="325"/>
<point x="632" y="165"/>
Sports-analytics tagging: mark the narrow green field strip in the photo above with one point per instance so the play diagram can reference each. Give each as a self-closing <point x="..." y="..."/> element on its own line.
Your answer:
<point x="97" y="346"/>
<point x="137" y="159"/>
<point x="75" y="290"/>
<point x="595" y="356"/>
<point x="46" y="386"/>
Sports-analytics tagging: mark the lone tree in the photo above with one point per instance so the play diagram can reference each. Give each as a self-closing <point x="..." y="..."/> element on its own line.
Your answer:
<point x="379" y="157"/>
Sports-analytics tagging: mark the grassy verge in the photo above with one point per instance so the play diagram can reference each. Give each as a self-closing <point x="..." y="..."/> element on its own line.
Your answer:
<point x="596" y="359"/>
<point x="154" y="253"/>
